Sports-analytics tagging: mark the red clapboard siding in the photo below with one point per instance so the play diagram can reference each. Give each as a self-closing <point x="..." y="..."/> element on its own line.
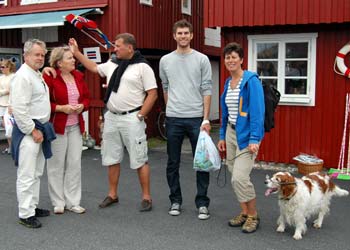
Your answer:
<point x="239" y="13"/>
<point x="314" y="130"/>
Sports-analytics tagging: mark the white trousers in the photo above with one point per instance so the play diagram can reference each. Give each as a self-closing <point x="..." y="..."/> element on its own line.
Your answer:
<point x="31" y="164"/>
<point x="64" y="168"/>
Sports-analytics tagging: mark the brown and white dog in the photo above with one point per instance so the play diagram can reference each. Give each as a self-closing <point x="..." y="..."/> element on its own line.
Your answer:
<point x="299" y="199"/>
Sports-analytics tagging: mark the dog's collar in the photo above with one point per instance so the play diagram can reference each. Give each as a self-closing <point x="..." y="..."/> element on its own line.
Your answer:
<point x="287" y="183"/>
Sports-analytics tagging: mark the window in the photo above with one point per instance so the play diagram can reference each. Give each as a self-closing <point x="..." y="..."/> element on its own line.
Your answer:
<point x="25" y="2"/>
<point x="15" y="55"/>
<point x="287" y="61"/>
<point x="186" y="7"/>
<point x="146" y="2"/>
<point x="3" y="2"/>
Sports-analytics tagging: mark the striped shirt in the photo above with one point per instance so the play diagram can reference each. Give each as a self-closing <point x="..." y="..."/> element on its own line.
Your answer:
<point x="232" y="102"/>
<point x="73" y="97"/>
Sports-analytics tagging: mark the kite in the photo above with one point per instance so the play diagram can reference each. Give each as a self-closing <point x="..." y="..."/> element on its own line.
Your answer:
<point x="82" y="24"/>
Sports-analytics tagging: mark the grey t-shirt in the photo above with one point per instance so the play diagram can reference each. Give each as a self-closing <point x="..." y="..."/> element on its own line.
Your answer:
<point x="186" y="78"/>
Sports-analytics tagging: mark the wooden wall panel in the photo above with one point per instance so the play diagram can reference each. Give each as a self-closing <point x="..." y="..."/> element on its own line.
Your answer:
<point x="239" y="13"/>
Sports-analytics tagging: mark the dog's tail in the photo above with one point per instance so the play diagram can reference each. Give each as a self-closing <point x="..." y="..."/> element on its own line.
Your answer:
<point x="337" y="191"/>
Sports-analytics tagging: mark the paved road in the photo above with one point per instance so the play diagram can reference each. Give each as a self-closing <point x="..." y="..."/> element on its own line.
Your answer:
<point x="123" y="227"/>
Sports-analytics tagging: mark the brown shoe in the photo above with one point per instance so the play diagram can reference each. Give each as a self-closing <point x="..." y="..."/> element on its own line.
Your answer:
<point x="251" y="224"/>
<point x="108" y="201"/>
<point x="146" y="205"/>
<point x="238" y="220"/>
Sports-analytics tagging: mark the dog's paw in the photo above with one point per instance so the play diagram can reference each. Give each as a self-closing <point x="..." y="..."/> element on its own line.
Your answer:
<point x="317" y="225"/>
<point x="280" y="229"/>
<point x="297" y="236"/>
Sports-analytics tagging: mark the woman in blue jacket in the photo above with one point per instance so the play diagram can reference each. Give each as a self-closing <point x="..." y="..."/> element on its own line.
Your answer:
<point x="242" y="129"/>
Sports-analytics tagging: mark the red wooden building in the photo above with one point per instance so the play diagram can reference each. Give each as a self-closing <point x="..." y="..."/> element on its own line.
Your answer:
<point x="149" y="20"/>
<point x="293" y="45"/>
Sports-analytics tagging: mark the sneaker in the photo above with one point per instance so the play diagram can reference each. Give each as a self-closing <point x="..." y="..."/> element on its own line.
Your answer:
<point x="175" y="209"/>
<point x="31" y="222"/>
<point x="146" y="205"/>
<point x="203" y="213"/>
<point x="251" y="224"/>
<point x="58" y="210"/>
<point x="77" y="209"/>
<point x="5" y="151"/>
<point x="238" y="220"/>
<point x="41" y="212"/>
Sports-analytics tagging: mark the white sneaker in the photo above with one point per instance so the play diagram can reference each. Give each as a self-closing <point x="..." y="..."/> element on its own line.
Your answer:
<point x="175" y="209"/>
<point x="58" y="210"/>
<point x="203" y="213"/>
<point x="77" y="209"/>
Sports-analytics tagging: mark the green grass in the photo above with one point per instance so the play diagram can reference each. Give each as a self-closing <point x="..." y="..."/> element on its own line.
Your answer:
<point x="156" y="142"/>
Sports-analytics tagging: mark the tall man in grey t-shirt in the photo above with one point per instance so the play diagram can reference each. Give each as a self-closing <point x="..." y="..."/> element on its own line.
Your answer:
<point x="187" y="84"/>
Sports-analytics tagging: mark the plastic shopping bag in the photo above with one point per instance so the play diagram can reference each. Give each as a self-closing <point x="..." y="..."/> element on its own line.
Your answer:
<point x="206" y="157"/>
<point x="8" y="121"/>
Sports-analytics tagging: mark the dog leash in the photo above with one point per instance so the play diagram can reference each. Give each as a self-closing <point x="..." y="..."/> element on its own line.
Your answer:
<point x="223" y="163"/>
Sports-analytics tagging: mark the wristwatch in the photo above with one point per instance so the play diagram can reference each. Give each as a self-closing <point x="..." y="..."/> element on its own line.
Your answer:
<point x="140" y="117"/>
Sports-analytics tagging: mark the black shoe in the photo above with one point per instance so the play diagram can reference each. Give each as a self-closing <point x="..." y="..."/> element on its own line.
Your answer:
<point x="146" y="205"/>
<point x="108" y="201"/>
<point x="31" y="222"/>
<point x="41" y="212"/>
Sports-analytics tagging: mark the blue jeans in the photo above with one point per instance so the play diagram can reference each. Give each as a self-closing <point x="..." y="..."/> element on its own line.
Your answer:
<point x="176" y="129"/>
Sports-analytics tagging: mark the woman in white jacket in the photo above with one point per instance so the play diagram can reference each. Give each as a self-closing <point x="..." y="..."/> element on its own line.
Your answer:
<point x="7" y="68"/>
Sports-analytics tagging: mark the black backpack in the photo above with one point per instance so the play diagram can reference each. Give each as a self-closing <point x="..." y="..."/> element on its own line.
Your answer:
<point x="272" y="98"/>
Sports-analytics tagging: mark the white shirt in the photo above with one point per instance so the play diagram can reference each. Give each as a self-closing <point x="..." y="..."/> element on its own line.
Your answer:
<point x="136" y="80"/>
<point x="5" y="88"/>
<point x="30" y="99"/>
<point x="232" y="102"/>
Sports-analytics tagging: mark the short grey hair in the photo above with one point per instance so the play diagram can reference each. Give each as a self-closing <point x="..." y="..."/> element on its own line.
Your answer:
<point x="28" y="45"/>
<point x="127" y="39"/>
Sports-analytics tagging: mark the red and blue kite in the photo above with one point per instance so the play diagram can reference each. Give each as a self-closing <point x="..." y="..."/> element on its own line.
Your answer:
<point x="83" y="24"/>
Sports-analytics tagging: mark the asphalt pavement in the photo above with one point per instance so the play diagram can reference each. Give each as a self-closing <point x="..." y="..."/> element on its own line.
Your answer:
<point x="122" y="226"/>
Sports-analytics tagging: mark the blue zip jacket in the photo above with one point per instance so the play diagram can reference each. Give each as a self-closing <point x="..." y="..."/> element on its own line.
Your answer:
<point x="251" y="111"/>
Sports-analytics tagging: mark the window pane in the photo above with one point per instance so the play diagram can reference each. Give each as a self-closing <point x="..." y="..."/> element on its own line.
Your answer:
<point x="267" y="50"/>
<point x="296" y="68"/>
<point x="296" y="50"/>
<point x="267" y="68"/>
<point x="272" y="82"/>
<point x="295" y="86"/>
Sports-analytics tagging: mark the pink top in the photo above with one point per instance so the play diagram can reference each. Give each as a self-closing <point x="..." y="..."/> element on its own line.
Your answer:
<point x="73" y="96"/>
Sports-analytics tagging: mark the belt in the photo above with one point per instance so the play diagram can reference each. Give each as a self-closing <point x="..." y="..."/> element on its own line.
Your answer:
<point x="232" y="125"/>
<point x="127" y="112"/>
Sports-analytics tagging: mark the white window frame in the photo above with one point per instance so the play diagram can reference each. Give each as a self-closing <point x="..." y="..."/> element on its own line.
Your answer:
<point x="307" y="99"/>
<point x="3" y="2"/>
<point x="186" y="10"/>
<point x="146" y="2"/>
<point x="27" y="2"/>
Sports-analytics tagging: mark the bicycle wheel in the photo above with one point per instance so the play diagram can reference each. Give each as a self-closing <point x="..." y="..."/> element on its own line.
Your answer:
<point x="161" y="125"/>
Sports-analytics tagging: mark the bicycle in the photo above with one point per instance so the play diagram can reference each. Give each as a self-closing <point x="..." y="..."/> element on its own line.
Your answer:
<point x="161" y="124"/>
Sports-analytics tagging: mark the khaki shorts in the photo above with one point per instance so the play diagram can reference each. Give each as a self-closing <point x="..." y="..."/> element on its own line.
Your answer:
<point x="124" y="131"/>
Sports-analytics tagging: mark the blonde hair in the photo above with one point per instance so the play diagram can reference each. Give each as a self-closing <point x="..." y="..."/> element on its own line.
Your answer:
<point x="57" y="55"/>
<point x="9" y="64"/>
